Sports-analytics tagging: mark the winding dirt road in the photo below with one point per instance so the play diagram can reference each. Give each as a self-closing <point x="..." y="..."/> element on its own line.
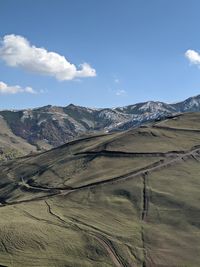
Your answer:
<point x="195" y="151"/>
<point x="175" y="157"/>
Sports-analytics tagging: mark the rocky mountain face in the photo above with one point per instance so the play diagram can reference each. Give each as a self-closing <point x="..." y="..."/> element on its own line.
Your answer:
<point x="51" y="126"/>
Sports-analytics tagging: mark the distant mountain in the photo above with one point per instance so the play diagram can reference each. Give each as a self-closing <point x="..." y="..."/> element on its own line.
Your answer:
<point x="51" y="126"/>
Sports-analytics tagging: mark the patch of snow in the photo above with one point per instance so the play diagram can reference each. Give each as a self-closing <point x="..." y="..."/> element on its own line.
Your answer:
<point x="41" y="121"/>
<point x="27" y="114"/>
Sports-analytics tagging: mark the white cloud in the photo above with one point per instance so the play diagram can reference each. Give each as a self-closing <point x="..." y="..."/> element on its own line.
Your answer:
<point x="6" y="89"/>
<point x="16" y="51"/>
<point x="193" y="56"/>
<point x="43" y="91"/>
<point x="120" y="92"/>
<point x="116" y="80"/>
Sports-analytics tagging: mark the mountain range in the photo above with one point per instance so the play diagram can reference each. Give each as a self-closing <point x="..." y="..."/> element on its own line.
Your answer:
<point x="30" y="130"/>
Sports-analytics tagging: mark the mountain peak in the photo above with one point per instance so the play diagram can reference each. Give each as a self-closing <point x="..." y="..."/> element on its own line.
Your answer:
<point x="54" y="125"/>
<point x="71" y="105"/>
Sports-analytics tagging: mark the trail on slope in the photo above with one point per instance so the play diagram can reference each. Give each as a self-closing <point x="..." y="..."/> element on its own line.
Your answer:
<point x="150" y="168"/>
<point x="176" y="129"/>
<point x="105" y="243"/>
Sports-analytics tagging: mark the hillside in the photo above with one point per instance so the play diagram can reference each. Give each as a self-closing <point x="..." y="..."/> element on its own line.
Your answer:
<point x="123" y="199"/>
<point x="51" y="126"/>
<point x="12" y="146"/>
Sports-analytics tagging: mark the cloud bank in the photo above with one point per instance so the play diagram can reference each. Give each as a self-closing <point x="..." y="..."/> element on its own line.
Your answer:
<point x="17" y="51"/>
<point x="193" y="56"/>
<point x="6" y="89"/>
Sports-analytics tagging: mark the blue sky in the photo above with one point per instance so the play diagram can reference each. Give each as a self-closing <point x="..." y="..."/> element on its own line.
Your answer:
<point x="136" y="47"/>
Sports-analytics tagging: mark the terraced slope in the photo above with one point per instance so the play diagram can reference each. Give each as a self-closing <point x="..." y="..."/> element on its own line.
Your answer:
<point x="123" y="199"/>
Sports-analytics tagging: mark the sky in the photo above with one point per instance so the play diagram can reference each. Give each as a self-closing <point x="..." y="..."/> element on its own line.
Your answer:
<point x="94" y="53"/>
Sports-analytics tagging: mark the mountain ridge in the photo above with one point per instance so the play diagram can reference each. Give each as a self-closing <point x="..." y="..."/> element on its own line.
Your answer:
<point x="50" y="126"/>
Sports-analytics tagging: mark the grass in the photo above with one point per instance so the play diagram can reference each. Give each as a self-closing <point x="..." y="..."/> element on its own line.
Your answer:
<point x="91" y="224"/>
<point x="173" y="222"/>
<point x="188" y="121"/>
<point x="30" y="241"/>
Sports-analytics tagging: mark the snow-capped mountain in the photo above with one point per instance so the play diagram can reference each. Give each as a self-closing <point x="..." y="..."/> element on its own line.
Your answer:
<point x="51" y="126"/>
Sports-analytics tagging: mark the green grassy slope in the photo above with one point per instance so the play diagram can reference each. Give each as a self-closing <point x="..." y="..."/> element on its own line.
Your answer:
<point x="124" y="199"/>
